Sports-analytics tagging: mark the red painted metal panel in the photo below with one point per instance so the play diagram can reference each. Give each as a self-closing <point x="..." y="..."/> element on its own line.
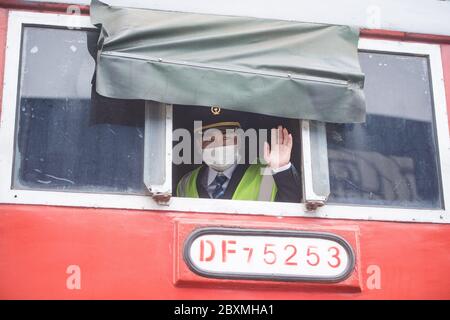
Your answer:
<point x="129" y="254"/>
<point x="404" y="36"/>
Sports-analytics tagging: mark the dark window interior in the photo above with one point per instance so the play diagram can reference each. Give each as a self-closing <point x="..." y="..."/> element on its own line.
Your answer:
<point x="182" y="119"/>
<point x="69" y="137"/>
<point x="392" y="159"/>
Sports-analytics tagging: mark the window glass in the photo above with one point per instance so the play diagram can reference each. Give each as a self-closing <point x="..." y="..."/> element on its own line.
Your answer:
<point x="70" y="138"/>
<point x="392" y="159"/>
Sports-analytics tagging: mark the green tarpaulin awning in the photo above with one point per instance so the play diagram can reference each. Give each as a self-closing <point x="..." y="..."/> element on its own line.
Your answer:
<point x="280" y="68"/>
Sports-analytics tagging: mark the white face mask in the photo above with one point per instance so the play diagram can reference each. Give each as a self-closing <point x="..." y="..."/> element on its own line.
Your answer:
<point x="221" y="158"/>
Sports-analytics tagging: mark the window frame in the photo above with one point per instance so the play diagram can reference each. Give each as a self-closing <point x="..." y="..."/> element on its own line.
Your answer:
<point x="315" y="170"/>
<point x="8" y="130"/>
<point x="160" y="192"/>
<point x="385" y="213"/>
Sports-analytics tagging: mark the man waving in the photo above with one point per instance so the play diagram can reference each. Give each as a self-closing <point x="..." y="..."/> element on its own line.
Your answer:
<point x="223" y="176"/>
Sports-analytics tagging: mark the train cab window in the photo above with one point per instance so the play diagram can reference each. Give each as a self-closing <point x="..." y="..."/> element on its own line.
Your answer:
<point x="68" y="137"/>
<point x="57" y="134"/>
<point x="194" y="171"/>
<point x="392" y="159"/>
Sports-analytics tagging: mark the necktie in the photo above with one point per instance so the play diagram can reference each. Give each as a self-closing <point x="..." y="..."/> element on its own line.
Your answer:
<point x="218" y="182"/>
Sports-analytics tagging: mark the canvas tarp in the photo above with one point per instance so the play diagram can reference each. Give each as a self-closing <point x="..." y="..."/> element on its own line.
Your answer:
<point x="273" y="67"/>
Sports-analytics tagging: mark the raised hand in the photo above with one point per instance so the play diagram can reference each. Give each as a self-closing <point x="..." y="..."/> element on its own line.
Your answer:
<point x="279" y="153"/>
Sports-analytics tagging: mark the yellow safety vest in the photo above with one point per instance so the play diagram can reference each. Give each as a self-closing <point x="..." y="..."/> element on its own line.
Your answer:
<point x="253" y="186"/>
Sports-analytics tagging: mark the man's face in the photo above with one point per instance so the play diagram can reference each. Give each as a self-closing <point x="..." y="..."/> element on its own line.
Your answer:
<point x="219" y="148"/>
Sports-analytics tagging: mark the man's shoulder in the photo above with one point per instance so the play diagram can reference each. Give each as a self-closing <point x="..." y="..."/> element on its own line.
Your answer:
<point x="193" y="172"/>
<point x="186" y="180"/>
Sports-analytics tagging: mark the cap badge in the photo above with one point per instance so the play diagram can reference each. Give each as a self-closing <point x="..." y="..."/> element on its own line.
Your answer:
<point x="215" y="110"/>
